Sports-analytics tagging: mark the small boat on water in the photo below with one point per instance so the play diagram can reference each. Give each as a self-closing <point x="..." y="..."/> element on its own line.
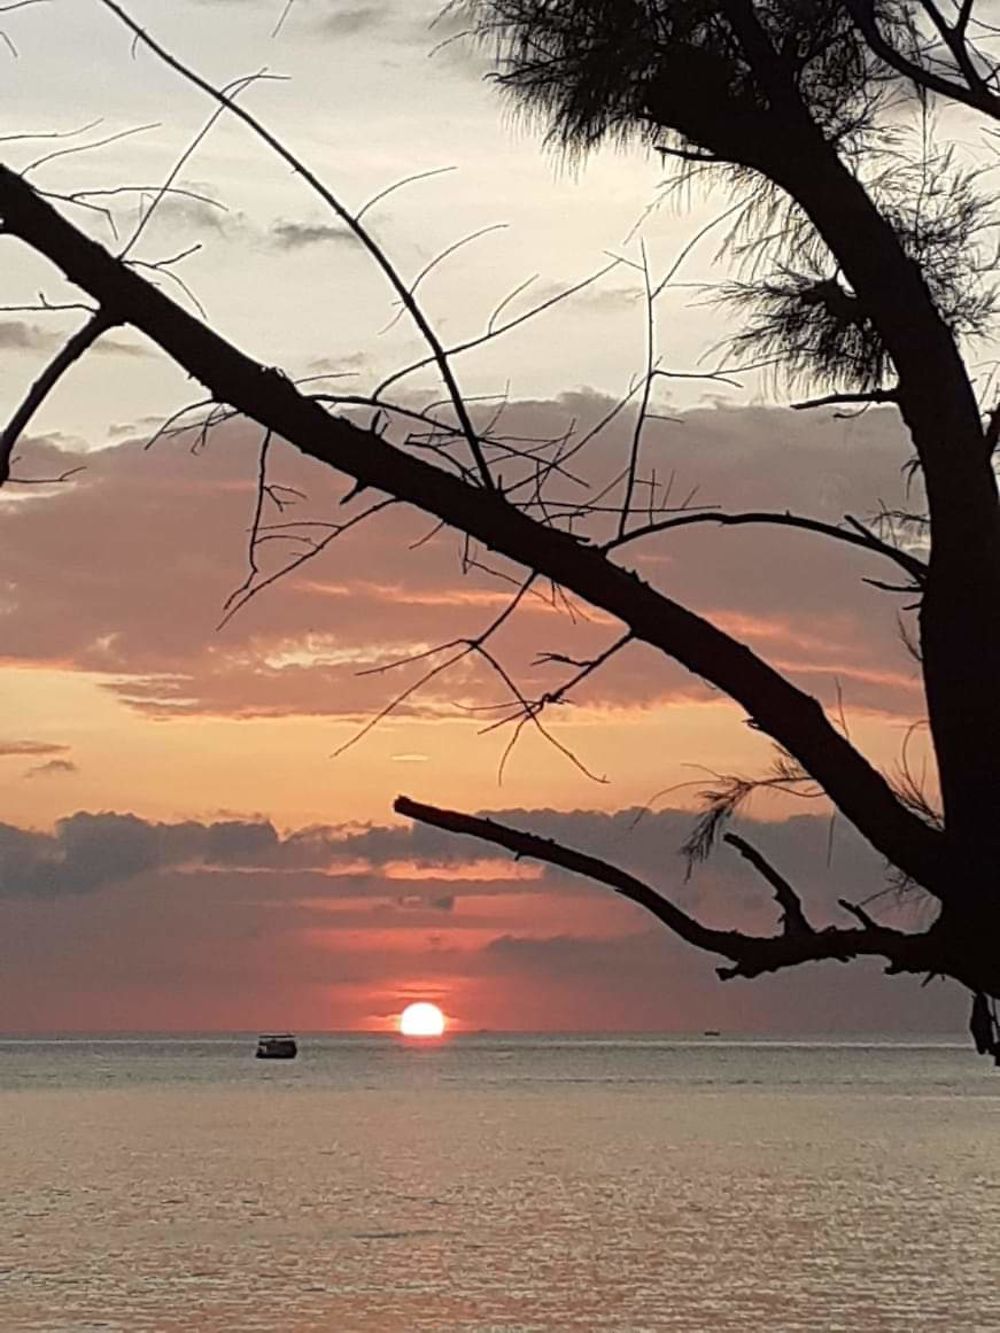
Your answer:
<point x="276" y="1046"/>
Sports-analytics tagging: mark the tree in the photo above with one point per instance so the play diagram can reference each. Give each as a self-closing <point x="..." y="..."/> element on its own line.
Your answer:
<point x="866" y="280"/>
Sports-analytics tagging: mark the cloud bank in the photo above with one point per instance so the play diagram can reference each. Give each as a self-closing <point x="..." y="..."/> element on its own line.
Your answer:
<point x="121" y="921"/>
<point x="127" y="572"/>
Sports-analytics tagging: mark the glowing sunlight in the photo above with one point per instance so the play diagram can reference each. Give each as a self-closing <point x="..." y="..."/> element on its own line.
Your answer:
<point x="421" y="1020"/>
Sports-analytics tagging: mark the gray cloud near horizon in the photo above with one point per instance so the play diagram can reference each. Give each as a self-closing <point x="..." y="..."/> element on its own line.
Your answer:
<point x="87" y="852"/>
<point x="213" y="914"/>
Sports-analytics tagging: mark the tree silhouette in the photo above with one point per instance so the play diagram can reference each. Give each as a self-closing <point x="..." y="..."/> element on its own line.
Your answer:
<point x="864" y="277"/>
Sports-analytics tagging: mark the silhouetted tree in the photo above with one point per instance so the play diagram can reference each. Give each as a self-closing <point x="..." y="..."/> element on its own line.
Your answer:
<point x="864" y="275"/>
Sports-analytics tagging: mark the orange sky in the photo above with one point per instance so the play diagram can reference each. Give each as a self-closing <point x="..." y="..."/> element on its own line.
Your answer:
<point x="123" y="697"/>
<point x="164" y="779"/>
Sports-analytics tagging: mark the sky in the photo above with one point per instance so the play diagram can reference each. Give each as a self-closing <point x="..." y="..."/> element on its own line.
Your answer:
<point x="184" y="842"/>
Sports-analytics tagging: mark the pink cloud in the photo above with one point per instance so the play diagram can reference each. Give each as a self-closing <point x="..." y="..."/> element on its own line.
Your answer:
<point x="126" y="572"/>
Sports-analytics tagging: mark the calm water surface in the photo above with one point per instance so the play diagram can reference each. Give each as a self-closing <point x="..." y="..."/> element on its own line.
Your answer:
<point x="498" y="1184"/>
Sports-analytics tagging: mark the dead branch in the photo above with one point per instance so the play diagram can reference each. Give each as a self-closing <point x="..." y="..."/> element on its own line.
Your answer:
<point x="831" y="399"/>
<point x="527" y="712"/>
<point x="579" y="863"/>
<point x="530" y="710"/>
<point x="970" y="89"/>
<point x="857" y="911"/>
<point x="350" y="219"/>
<point x="253" y="586"/>
<point x="464" y="647"/>
<point x="494" y="330"/>
<point x="253" y="569"/>
<point x="751" y="955"/>
<point x="914" y="566"/>
<point x="90" y="147"/>
<point x="68" y="354"/>
<point x="59" y="480"/>
<point x="793" y="918"/>
<point x="231" y="91"/>
<point x="647" y="389"/>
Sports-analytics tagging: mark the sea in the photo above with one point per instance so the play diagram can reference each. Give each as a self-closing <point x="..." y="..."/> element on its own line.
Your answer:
<point x="485" y="1182"/>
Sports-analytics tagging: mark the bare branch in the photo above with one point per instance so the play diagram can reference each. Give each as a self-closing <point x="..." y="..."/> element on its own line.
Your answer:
<point x="978" y="95"/>
<point x="856" y="910"/>
<point x="8" y="8"/>
<point x="49" y="134"/>
<point x="494" y="330"/>
<point x="438" y="353"/>
<point x="647" y="388"/>
<point x="253" y="570"/>
<point x="578" y="863"/>
<point x="751" y="955"/>
<point x="250" y="589"/>
<point x="59" y="480"/>
<point x="68" y="354"/>
<point x="399" y="185"/>
<point x="465" y="647"/>
<point x="88" y="147"/>
<point x="231" y="91"/>
<point x="914" y="566"/>
<point x="793" y="918"/>
<point x="830" y="399"/>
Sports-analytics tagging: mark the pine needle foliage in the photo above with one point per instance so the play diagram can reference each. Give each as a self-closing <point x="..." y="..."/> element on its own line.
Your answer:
<point x="673" y="74"/>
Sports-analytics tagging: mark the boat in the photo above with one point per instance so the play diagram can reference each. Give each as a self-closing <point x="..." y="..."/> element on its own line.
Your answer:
<point x="276" y="1046"/>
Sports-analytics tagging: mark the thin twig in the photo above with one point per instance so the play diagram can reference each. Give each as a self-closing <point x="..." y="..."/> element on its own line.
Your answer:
<point x="70" y="352"/>
<point x="915" y="567"/>
<point x="439" y="356"/>
<point x="793" y="918"/>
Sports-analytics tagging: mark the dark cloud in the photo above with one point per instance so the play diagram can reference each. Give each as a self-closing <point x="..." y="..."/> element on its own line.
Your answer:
<point x="349" y="22"/>
<point x="16" y="335"/>
<point x="820" y="859"/>
<point x="421" y="22"/>
<point x="299" y="235"/>
<point x="52" y="768"/>
<point x="124" y="922"/>
<point x="237" y="842"/>
<point x="444" y="902"/>
<point x="199" y="210"/>
<point x="352" y="361"/>
<point x="88" y="852"/>
<point x="570" y="955"/>
<point x="648" y="980"/>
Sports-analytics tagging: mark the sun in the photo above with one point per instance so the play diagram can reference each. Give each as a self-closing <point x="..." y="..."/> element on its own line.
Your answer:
<point x="421" y="1020"/>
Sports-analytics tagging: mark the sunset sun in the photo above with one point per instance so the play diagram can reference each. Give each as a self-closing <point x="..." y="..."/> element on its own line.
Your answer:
<point x="421" y="1020"/>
